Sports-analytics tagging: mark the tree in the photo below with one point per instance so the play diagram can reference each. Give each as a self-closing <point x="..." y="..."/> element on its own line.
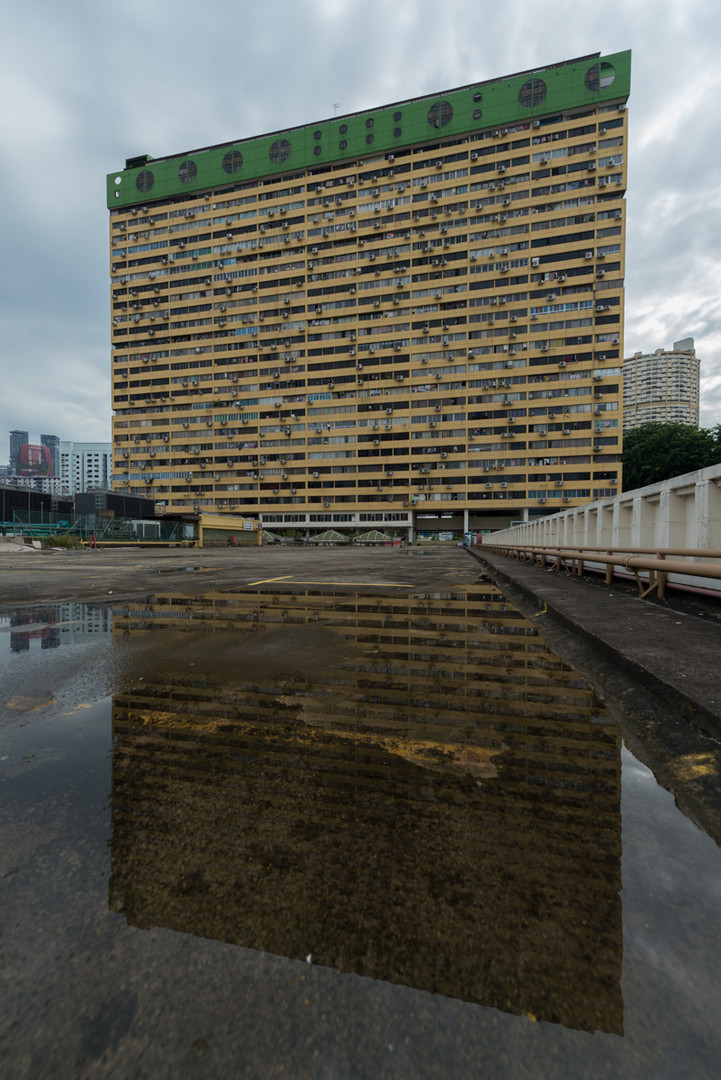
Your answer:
<point x="655" y="452"/>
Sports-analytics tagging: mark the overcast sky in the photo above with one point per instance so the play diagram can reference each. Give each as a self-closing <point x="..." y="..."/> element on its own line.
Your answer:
<point x="87" y="83"/>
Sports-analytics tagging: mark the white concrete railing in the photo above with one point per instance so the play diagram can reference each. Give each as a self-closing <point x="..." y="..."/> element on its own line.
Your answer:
<point x="684" y="512"/>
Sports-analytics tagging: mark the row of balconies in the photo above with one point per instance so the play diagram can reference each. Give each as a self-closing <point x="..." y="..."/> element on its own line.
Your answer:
<point x="353" y="190"/>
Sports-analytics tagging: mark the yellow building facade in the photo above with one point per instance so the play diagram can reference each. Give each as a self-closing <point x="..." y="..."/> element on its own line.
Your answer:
<point x="408" y="318"/>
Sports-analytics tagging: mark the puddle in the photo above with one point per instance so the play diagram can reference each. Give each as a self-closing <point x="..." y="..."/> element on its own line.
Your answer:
<point x="181" y="570"/>
<point x="412" y="789"/>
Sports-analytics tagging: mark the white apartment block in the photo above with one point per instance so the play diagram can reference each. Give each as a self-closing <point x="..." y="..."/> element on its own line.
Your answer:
<point x="662" y="386"/>
<point x="84" y="466"/>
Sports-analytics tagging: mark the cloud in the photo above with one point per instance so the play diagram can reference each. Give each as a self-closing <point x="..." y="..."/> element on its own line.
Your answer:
<point x="89" y="85"/>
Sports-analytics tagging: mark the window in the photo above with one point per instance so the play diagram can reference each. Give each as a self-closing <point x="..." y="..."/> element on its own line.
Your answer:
<point x="144" y="180"/>
<point x="600" y="77"/>
<point x="440" y="114"/>
<point x="187" y="171"/>
<point x="232" y="162"/>
<point x="280" y="151"/>
<point x="532" y="92"/>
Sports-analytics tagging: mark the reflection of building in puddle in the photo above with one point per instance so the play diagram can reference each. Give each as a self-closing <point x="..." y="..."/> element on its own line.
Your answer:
<point x="417" y="790"/>
<point x="52" y="625"/>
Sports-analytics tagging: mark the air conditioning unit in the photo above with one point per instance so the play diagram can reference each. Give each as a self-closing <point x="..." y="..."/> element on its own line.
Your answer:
<point x="588" y="255"/>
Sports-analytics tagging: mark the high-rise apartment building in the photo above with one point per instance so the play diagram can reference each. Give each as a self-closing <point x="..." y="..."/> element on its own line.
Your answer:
<point x="53" y="444"/>
<point x="84" y="466"/>
<point x="662" y="386"/>
<point x="411" y="315"/>
<point x="18" y="439"/>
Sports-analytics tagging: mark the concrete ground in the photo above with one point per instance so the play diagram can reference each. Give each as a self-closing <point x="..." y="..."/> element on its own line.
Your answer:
<point x="32" y="576"/>
<point x="86" y="993"/>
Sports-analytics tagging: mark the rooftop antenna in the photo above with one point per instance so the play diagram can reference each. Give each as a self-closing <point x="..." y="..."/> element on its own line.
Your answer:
<point x="336" y="104"/>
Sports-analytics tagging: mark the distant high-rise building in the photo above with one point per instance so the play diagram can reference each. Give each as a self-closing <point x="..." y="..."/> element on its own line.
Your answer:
<point x="662" y="386"/>
<point x="410" y="316"/>
<point x="53" y="444"/>
<point x="18" y="439"/>
<point x="84" y="466"/>
<point x="34" y="461"/>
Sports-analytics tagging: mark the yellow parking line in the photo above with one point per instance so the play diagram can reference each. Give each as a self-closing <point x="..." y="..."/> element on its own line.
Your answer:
<point x="385" y="584"/>
<point x="265" y="581"/>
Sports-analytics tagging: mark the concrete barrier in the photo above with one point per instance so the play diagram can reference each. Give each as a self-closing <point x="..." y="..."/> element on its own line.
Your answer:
<point x="684" y="512"/>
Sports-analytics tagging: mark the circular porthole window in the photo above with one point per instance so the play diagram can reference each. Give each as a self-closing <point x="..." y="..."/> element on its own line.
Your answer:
<point x="370" y="121"/>
<point x="600" y="77"/>
<point x="280" y="151"/>
<point x="532" y="92"/>
<point x="440" y="114"/>
<point x="397" y="132"/>
<point x="343" y="129"/>
<point x="477" y="114"/>
<point x="397" y="116"/>
<point x="144" y="180"/>
<point x="317" y="150"/>
<point x="188" y="171"/>
<point x="317" y="135"/>
<point x="343" y="144"/>
<point x="233" y="162"/>
<point x="369" y="139"/>
<point x="478" y="96"/>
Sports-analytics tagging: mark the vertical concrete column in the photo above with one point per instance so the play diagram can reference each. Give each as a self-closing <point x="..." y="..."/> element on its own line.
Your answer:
<point x="708" y="513"/>
<point x="623" y="523"/>
<point x="589" y="527"/>
<point x="645" y="525"/>
<point x="677" y="511"/>
<point x="604" y="527"/>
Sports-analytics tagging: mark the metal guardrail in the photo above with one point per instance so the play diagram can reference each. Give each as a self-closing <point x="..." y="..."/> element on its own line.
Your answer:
<point x="657" y="563"/>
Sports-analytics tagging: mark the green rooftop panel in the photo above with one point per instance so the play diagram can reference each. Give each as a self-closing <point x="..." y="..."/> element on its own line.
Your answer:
<point x="446" y="115"/>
